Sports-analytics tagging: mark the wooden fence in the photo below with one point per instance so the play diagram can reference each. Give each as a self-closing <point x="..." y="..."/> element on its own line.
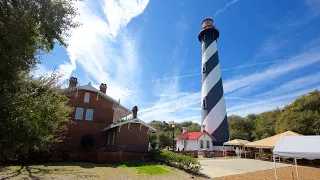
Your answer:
<point x="101" y="156"/>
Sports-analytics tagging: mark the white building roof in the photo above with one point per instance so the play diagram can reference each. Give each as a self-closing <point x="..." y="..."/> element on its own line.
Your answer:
<point x="89" y="87"/>
<point x="307" y="147"/>
<point x="136" y="121"/>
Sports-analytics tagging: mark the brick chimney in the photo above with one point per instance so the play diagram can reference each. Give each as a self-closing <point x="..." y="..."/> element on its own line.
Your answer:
<point x="103" y="88"/>
<point x="134" y="112"/>
<point x="203" y="128"/>
<point x="184" y="130"/>
<point x="73" y="82"/>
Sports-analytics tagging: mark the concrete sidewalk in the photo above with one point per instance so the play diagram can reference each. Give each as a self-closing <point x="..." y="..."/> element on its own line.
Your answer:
<point x="225" y="167"/>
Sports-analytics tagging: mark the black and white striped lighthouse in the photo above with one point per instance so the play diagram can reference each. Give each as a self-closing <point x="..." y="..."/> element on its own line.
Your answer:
<point x="213" y="110"/>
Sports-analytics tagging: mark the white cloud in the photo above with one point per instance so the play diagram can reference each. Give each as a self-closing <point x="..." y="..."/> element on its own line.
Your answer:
<point x="103" y="47"/>
<point x="293" y="85"/>
<point x="314" y="6"/>
<point x="225" y="7"/>
<point x="119" y="13"/>
<point x="272" y="46"/>
<point x="40" y="70"/>
<point x="299" y="61"/>
<point x="177" y="105"/>
<point x="266" y="104"/>
<point x="172" y="104"/>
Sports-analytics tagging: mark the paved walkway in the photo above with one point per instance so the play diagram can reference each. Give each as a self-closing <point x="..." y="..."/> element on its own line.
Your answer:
<point x="225" y="167"/>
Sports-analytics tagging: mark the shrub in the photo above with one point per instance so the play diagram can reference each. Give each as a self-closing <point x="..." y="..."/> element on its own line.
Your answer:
<point x="180" y="161"/>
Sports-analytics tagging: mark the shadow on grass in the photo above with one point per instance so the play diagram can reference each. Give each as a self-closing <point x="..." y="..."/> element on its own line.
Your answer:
<point x="37" y="173"/>
<point x="93" y="165"/>
<point x="137" y="164"/>
<point x="79" y="164"/>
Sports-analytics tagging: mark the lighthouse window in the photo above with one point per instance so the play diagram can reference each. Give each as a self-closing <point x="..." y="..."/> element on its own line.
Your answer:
<point x="204" y="102"/>
<point x="204" y="67"/>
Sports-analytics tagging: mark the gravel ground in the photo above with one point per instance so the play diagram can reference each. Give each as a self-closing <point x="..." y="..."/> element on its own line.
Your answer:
<point x="305" y="173"/>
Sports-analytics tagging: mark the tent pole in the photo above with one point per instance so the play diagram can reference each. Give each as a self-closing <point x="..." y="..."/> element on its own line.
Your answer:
<point x="295" y="160"/>
<point x="223" y="152"/>
<point x="275" y="167"/>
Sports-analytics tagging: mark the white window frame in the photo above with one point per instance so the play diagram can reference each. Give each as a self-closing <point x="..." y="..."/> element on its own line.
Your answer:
<point x="86" y="97"/>
<point x="79" y="113"/>
<point x="208" y="144"/>
<point x="89" y="115"/>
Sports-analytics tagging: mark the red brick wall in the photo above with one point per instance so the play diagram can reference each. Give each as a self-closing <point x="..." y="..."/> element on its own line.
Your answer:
<point x="80" y="128"/>
<point x="102" y="117"/>
<point x="132" y="139"/>
<point x="102" y="108"/>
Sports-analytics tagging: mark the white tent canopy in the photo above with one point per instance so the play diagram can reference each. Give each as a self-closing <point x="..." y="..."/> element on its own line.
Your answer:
<point x="307" y="147"/>
<point x="297" y="147"/>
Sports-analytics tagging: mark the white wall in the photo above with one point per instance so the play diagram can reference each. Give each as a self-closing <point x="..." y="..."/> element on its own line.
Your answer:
<point x="179" y="145"/>
<point x="195" y="145"/>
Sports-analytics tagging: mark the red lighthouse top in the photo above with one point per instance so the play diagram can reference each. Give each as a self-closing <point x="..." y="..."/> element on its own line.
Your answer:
<point x="207" y="23"/>
<point x="208" y="29"/>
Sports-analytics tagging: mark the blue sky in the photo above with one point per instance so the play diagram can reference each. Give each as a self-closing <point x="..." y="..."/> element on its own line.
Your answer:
<point x="148" y="54"/>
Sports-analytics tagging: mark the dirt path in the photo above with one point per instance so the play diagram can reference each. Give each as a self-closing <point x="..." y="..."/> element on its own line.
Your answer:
<point x="285" y="173"/>
<point x="87" y="171"/>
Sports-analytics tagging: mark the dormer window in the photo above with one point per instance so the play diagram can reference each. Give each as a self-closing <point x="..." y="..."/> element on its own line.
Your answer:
<point x="204" y="67"/>
<point x="204" y="103"/>
<point x="86" y="97"/>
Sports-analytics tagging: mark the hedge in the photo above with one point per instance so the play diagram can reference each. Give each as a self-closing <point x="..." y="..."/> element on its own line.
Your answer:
<point x="180" y="161"/>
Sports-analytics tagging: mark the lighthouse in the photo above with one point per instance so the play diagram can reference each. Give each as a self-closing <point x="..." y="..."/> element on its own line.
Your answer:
<point x="213" y="108"/>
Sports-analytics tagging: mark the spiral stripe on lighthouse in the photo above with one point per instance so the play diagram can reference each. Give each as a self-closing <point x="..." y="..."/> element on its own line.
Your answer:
<point x="214" y="115"/>
<point x="210" y="50"/>
<point x="211" y="79"/>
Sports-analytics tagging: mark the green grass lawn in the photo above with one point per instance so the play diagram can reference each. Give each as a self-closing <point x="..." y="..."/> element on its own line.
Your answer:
<point x="82" y="170"/>
<point x="148" y="169"/>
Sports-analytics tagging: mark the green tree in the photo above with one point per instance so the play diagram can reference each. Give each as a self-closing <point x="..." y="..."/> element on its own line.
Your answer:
<point x="165" y="139"/>
<point x="194" y="127"/>
<point x="265" y="124"/>
<point x="29" y="29"/>
<point x="153" y="138"/>
<point x="33" y="112"/>
<point x="302" y="116"/>
<point x="37" y="117"/>
<point x="163" y="136"/>
<point x="240" y="128"/>
<point x="252" y="117"/>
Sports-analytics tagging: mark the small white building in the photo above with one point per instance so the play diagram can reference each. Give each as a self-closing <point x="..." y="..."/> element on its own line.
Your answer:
<point x="194" y="140"/>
